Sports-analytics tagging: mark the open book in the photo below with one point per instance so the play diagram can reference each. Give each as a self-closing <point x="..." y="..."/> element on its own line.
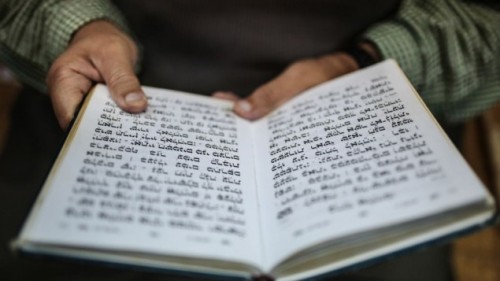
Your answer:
<point x="351" y="170"/>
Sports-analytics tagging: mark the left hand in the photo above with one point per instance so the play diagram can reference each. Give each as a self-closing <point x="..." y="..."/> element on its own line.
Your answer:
<point x="296" y="78"/>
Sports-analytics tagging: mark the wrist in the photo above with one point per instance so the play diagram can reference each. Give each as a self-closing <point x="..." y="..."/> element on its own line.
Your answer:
<point x="364" y="54"/>
<point x="100" y="26"/>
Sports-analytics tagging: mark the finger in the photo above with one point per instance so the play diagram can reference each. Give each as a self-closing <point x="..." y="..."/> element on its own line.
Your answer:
<point x="67" y="92"/>
<point x="118" y="73"/>
<point x="225" y="95"/>
<point x="297" y="78"/>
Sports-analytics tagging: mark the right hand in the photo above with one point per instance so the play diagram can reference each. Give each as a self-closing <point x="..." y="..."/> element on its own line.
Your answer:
<point x="98" y="52"/>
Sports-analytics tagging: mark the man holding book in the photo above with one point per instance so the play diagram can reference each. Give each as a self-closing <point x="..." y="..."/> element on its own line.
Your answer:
<point x="259" y="54"/>
<point x="267" y="52"/>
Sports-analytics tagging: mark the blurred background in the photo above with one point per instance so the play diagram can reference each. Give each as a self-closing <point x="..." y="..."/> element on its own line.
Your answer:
<point x="25" y="118"/>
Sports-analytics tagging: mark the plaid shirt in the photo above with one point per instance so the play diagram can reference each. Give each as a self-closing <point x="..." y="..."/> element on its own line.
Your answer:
<point x="449" y="49"/>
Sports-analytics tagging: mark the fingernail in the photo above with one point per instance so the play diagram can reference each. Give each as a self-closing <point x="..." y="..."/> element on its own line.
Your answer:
<point x="245" y="106"/>
<point x="134" y="98"/>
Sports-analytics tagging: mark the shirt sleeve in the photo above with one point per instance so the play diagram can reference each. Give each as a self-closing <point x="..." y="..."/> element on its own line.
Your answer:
<point x="449" y="49"/>
<point x="33" y="33"/>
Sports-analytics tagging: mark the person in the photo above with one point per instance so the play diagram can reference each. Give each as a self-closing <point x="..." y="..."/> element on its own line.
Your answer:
<point x="448" y="48"/>
<point x="258" y="53"/>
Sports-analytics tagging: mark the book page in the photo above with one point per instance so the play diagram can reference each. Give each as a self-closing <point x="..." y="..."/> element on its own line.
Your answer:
<point x="354" y="154"/>
<point x="174" y="180"/>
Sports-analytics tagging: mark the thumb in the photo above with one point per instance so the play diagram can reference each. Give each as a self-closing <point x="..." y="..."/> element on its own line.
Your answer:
<point x="295" y="79"/>
<point x="262" y="101"/>
<point x="118" y="73"/>
<point x="269" y="96"/>
<point x="113" y="54"/>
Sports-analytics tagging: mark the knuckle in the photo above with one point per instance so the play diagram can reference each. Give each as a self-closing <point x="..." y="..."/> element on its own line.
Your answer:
<point x="120" y="77"/>
<point x="56" y="67"/>
<point x="328" y="66"/>
<point x="265" y="96"/>
<point x="58" y="72"/>
<point x="116" y="43"/>
<point x="316" y="69"/>
<point x="300" y="68"/>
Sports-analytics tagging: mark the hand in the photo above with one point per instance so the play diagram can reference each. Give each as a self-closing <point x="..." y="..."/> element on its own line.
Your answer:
<point x="98" y="52"/>
<point x="296" y="78"/>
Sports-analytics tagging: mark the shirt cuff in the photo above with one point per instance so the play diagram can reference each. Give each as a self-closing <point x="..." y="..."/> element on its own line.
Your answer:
<point x="394" y="41"/>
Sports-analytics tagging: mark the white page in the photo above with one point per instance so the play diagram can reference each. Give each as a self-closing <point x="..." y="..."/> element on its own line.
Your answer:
<point x="175" y="180"/>
<point x="354" y="154"/>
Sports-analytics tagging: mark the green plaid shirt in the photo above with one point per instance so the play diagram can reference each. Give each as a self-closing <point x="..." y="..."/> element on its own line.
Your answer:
<point x="449" y="49"/>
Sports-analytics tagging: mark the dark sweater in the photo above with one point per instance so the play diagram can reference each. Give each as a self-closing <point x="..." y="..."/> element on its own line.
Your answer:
<point x="205" y="46"/>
